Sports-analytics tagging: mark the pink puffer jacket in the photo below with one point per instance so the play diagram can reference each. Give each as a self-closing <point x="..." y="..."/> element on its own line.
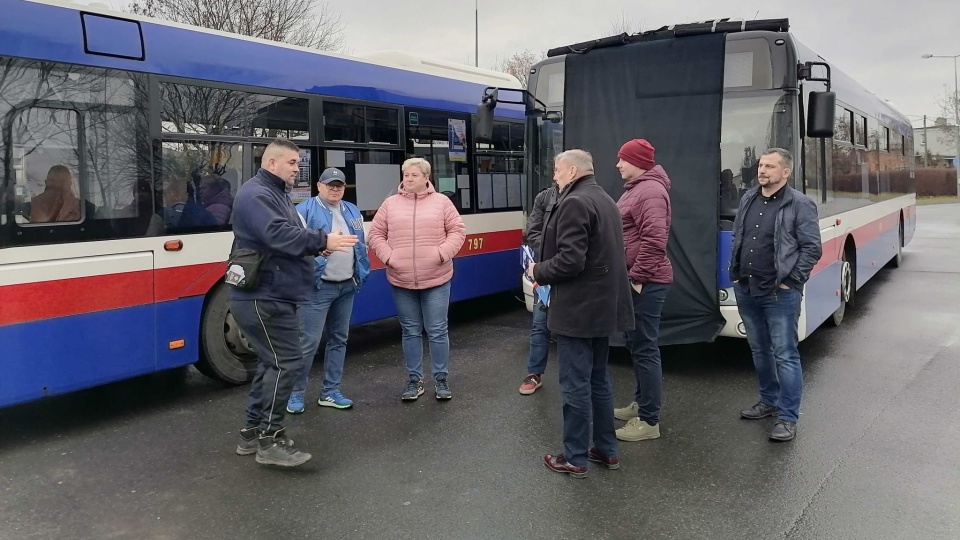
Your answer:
<point x="416" y="236"/>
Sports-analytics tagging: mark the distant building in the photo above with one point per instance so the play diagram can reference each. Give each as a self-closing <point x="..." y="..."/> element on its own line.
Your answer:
<point x="940" y="140"/>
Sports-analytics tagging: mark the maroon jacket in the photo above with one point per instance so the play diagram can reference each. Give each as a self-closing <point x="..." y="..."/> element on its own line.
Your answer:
<point x="645" y="210"/>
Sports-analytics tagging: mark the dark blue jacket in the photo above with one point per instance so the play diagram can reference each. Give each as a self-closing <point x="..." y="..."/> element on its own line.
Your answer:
<point x="318" y="216"/>
<point x="265" y="219"/>
<point x="796" y="238"/>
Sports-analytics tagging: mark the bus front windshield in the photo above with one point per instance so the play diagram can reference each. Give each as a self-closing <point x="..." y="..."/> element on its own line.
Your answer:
<point x="545" y="137"/>
<point x="750" y="125"/>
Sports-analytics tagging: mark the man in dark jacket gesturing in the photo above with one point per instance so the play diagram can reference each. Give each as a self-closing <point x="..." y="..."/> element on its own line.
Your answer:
<point x="581" y="258"/>
<point x="265" y="219"/>
<point x="645" y="210"/>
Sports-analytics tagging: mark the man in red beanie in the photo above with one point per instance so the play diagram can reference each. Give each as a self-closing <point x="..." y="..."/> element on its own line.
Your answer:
<point x="645" y="210"/>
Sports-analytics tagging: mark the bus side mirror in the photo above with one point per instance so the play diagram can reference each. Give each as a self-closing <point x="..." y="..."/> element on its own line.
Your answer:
<point x="484" y="129"/>
<point x="821" y="113"/>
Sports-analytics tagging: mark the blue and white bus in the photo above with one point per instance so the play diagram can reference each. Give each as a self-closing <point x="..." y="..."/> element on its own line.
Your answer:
<point x="124" y="141"/>
<point x="711" y="97"/>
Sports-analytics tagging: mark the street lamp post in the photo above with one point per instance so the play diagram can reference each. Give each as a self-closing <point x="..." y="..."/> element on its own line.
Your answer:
<point x="476" y="33"/>
<point x="956" y="112"/>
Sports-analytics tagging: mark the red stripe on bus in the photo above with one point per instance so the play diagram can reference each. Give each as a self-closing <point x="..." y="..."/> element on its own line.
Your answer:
<point x="833" y="248"/>
<point x="183" y="281"/>
<point x="64" y="297"/>
<point x="476" y="244"/>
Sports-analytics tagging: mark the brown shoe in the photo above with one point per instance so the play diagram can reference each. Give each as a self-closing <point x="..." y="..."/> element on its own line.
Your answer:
<point x="612" y="463"/>
<point x="559" y="464"/>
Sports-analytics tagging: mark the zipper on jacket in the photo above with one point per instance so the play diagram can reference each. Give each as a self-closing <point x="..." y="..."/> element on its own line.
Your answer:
<point x="416" y="281"/>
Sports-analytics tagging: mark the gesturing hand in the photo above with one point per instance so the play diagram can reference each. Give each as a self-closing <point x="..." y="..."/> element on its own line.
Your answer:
<point x="337" y="241"/>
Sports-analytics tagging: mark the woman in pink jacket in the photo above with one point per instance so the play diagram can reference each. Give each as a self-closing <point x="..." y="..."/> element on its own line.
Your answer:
<point x="416" y="233"/>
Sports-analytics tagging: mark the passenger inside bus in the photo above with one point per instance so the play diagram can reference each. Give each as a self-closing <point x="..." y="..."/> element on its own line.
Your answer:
<point x="729" y="194"/>
<point x="215" y="196"/>
<point x="58" y="201"/>
<point x="180" y="210"/>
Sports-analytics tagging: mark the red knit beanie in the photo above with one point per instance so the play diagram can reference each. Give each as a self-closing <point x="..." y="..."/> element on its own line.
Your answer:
<point x="638" y="153"/>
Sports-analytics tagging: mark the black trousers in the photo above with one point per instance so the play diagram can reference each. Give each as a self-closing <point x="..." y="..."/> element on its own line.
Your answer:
<point x="273" y="329"/>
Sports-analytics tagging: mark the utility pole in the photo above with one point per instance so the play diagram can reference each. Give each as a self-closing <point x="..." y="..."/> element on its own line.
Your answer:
<point x="925" y="151"/>
<point x="956" y="113"/>
<point x="476" y="33"/>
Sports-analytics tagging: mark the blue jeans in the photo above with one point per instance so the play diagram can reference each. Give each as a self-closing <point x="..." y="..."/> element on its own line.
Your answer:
<point x="419" y="310"/>
<point x="644" y="351"/>
<point x="539" y="341"/>
<point x="585" y="382"/>
<point x="771" y="324"/>
<point x="329" y="307"/>
<point x="271" y="328"/>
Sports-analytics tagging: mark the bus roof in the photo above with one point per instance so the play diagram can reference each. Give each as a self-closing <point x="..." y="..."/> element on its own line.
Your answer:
<point x="50" y="30"/>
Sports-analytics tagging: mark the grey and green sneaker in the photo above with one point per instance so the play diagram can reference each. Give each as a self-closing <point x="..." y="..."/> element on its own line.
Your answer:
<point x="414" y="390"/>
<point x="248" y="441"/>
<point x="443" y="389"/>
<point x="277" y="449"/>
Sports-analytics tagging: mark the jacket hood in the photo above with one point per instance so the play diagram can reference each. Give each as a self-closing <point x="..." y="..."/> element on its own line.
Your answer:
<point x="656" y="174"/>
<point x="428" y="191"/>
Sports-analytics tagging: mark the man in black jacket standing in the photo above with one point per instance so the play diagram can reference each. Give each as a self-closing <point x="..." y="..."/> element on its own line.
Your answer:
<point x="582" y="259"/>
<point x="265" y="219"/>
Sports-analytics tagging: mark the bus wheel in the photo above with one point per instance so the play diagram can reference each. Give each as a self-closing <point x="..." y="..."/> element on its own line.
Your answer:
<point x="225" y="353"/>
<point x="898" y="258"/>
<point x="846" y="289"/>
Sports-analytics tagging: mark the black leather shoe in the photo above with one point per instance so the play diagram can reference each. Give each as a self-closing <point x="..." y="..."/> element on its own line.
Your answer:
<point x="783" y="431"/>
<point x="560" y="464"/>
<point x="758" y="411"/>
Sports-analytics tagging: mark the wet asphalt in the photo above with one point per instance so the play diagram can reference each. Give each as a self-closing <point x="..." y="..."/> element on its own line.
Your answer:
<point x="877" y="455"/>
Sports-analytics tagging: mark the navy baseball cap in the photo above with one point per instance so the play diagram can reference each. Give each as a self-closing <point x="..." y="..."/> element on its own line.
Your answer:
<point x="333" y="174"/>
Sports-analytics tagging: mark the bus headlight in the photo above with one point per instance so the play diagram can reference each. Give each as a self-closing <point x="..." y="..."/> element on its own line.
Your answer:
<point x="741" y="329"/>
<point x="724" y="295"/>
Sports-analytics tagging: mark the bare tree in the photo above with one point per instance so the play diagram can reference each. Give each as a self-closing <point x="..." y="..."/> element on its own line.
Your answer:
<point x="307" y="23"/>
<point x="519" y="64"/>
<point x="623" y="24"/>
<point x="948" y="104"/>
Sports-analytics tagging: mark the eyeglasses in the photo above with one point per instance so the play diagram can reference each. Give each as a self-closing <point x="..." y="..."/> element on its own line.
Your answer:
<point x="336" y="186"/>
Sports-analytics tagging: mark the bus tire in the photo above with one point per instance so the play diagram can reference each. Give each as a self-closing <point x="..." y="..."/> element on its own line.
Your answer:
<point x="897" y="260"/>
<point x="847" y="287"/>
<point x="225" y="354"/>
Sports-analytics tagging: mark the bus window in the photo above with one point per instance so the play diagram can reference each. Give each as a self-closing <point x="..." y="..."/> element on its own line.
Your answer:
<point x="199" y="181"/>
<point x="749" y="125"/>
<point x="46" y="163"/>
<point x="201" y="110"/>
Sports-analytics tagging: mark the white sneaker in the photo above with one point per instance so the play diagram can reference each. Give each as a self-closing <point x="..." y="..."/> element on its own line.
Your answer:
<point x="630" y="411"/>
<point x="638" y="430"/>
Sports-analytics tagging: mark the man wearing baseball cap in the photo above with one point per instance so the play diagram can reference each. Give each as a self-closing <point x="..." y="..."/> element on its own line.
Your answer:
<point x="645" y="209"/>
<point x="337" y="278"/>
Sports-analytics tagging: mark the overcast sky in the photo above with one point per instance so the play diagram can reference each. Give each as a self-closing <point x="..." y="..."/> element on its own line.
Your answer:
<point x="879" y="47"/>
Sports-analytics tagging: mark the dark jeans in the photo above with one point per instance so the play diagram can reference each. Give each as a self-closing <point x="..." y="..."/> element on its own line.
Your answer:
<point x="539" y="341"/>
<point x="585" y="381"/>
<point x="273" y="330"/>
<point x="642" y="342"/>
<point x="771" y="324"/>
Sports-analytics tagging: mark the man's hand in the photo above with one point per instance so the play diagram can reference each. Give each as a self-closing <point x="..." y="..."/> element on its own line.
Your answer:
<point x="337" y="241"/>
<point x="530" y="270"/>
<point x="784" y="286"/>
<point x="636" y="286"/>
